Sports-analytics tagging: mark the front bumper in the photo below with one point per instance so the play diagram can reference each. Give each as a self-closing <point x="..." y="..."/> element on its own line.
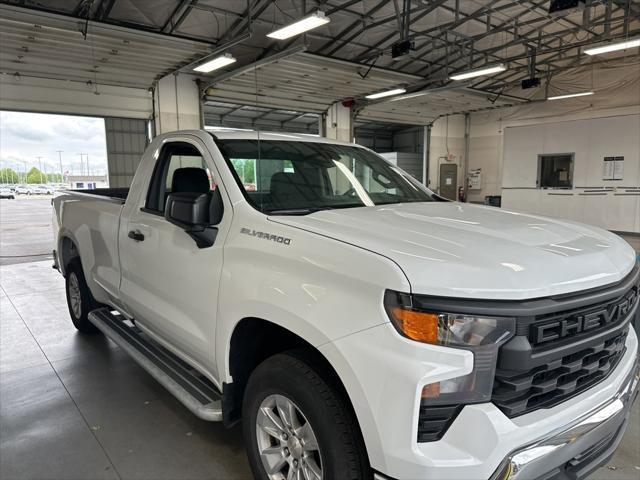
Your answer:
<point x="384" y="374"/>
<point x="574" y="451"/>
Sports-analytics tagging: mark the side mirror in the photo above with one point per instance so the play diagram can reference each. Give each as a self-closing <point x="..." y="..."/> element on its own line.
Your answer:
<point x="197" y="214"/>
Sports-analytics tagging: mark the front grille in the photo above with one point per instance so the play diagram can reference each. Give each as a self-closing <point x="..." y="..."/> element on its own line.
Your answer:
<point x="434" y="420"/>
<point x="517" y="393"/>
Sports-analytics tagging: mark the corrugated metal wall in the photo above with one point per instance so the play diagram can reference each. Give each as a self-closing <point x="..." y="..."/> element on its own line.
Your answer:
<point x="126" y="141"/>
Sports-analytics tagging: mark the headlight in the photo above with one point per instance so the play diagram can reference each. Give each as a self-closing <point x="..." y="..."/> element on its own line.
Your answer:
<point x="481" y="335"/>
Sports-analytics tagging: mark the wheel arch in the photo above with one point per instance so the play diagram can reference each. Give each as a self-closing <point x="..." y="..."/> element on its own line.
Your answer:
<point x="68" y="248"/>
<point x="252" y="341"/>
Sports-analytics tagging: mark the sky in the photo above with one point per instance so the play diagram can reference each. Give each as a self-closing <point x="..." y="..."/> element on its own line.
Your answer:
<point x="26" y="136"/>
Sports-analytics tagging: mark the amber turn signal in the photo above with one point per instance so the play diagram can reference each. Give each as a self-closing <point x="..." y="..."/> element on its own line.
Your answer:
<point x="419" y="326"/>
<point x="431" y="391"/>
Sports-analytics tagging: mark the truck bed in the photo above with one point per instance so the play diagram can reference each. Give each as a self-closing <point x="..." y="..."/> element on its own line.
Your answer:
<point x="119" y="193"/>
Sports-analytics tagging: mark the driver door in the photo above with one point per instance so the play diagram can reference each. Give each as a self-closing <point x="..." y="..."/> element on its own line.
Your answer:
<point x="169" y="285"/>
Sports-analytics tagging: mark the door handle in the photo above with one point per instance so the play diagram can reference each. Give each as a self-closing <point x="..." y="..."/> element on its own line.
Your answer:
<point x="135" y="235"/>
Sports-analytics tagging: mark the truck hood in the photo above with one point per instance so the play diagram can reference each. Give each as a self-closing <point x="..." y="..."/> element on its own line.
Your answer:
<point x="471" y="251"/>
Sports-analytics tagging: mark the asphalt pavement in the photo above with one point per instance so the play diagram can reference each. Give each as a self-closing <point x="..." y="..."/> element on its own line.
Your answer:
<point x="25" y="229"/>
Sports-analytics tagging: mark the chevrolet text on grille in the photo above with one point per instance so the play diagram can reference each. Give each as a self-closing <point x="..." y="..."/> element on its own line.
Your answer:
<point x="581" y="322"/>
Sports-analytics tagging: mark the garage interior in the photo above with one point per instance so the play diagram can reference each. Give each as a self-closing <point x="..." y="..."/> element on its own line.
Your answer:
<point x="74" y="407"/>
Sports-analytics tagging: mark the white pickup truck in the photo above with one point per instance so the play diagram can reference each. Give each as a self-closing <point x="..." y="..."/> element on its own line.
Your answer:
<point x="359" y="325"/>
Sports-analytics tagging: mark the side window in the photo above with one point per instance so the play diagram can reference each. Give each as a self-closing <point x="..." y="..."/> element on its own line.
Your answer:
<point x="174" y="157"/>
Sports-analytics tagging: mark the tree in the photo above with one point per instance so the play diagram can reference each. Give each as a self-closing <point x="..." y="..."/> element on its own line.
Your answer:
<point x="54" y="178"/>
<point x="9" y="175"/>
<point x="245" y="168"/>
<point x="36" y="176"/>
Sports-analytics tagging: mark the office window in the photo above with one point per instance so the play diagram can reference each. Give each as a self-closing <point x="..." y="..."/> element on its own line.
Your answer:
<point x="555" y="170"/>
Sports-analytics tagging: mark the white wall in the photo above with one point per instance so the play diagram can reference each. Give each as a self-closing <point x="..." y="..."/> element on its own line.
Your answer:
<point x="447" y="137"/>
<point x="589" y="132"/>
<point x="507" y="141"/>
<point x="610" y="204"/>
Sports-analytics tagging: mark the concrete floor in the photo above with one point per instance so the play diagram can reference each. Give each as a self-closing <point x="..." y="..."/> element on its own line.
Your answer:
<point x="76" y="407"/>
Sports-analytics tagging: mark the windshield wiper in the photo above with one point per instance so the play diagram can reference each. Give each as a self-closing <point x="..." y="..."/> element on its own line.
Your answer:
<point x="297" y="211"/>
<point x="308" y="210"/>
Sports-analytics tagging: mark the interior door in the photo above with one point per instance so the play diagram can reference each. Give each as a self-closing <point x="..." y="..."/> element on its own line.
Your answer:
<point x="169" y="285"/>
<point x="449" y="181"/>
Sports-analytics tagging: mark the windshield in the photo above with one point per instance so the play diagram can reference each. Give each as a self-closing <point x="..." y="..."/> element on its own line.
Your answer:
<point x="296" y="178"/>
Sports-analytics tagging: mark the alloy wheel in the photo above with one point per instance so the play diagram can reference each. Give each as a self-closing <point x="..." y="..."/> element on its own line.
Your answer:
<point x="286" y="441"/>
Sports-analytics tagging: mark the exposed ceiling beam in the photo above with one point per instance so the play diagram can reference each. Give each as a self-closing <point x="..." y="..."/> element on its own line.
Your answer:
<point x="432" y="7"/>
<point x="628" y="5"/>
<point x="253" y="10"/>
<point x="103" y="10"/>
<point x="532" y="37"/>
<point x="476" y="14"/>
<point x="179" y="14"/>
<point x="445" y="27"/>
<point x="555" y="54"/>
<point x="349" y="29"/>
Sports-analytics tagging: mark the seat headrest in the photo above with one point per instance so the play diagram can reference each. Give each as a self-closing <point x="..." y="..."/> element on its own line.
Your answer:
<point x="190" y="179"/>
<point x="291" y="190"/>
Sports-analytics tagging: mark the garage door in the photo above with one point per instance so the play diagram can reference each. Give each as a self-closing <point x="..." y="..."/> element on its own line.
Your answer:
<point x="127" y="139"/>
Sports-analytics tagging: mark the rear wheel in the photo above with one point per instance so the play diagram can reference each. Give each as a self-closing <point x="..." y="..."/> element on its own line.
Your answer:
<point x="298" y="425"/>
<point x="79" y="298"/>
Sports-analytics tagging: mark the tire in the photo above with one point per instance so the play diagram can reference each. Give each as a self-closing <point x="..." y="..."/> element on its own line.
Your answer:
<point x="321" y="413"/>
<point x="79" y="299"/>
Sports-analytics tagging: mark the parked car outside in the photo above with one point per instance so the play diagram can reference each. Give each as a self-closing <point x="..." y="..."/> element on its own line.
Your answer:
<point x="6" y="193"/>
<point x="23" y="190"/>
<point x="42" y="190"/>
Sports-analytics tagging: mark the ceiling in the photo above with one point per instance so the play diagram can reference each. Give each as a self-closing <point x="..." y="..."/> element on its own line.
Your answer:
<point x="305" y="81"/>
<point x="38" y="44"/>
<point x="133" y="43"/>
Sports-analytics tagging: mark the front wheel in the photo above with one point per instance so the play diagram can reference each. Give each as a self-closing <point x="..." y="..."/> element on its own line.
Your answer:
<point x="79" y="298"/>
<point x="298" y="425"/>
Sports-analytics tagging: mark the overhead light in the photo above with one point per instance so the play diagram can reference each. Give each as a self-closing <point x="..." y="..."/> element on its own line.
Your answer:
<point x="386" y="93"/>
<point x="478" y="72"/>
<point x="216" y="63"/>
<point x="613" y="47"/>
<point x="411" y="95"/>
<point x="570" y="95"/>
<point x="303" y="25"/>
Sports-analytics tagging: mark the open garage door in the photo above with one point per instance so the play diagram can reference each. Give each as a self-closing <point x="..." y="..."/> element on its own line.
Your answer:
<point x="126" y="140"/>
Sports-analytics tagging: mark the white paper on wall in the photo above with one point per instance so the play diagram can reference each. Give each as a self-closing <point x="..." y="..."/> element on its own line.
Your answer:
<point x="613" y="168"/>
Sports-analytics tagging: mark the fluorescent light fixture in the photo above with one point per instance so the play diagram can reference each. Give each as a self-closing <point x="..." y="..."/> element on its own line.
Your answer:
<point x="303" y="25"/>
<point x="386" y="93"/>
<point x="410" y="95"/>
<point x="478" y="72"/>
<point x="216" y="63"/>
<point x="613" y="47"/>
<point x="227" y="129"/>
<point x="570" y="95"/>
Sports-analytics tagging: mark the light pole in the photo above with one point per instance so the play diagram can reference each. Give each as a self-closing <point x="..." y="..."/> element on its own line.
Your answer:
<point x="40" y="160"/>
<point x="61" y="171"/>
<point x="81" y="163"/>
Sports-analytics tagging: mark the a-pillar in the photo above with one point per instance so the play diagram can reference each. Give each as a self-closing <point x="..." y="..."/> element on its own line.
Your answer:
<point x="338" y="123"/>
<point x="177" y="103"/>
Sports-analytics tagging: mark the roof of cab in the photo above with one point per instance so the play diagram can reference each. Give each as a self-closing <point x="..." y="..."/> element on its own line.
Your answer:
<point x="282" y="136"/>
